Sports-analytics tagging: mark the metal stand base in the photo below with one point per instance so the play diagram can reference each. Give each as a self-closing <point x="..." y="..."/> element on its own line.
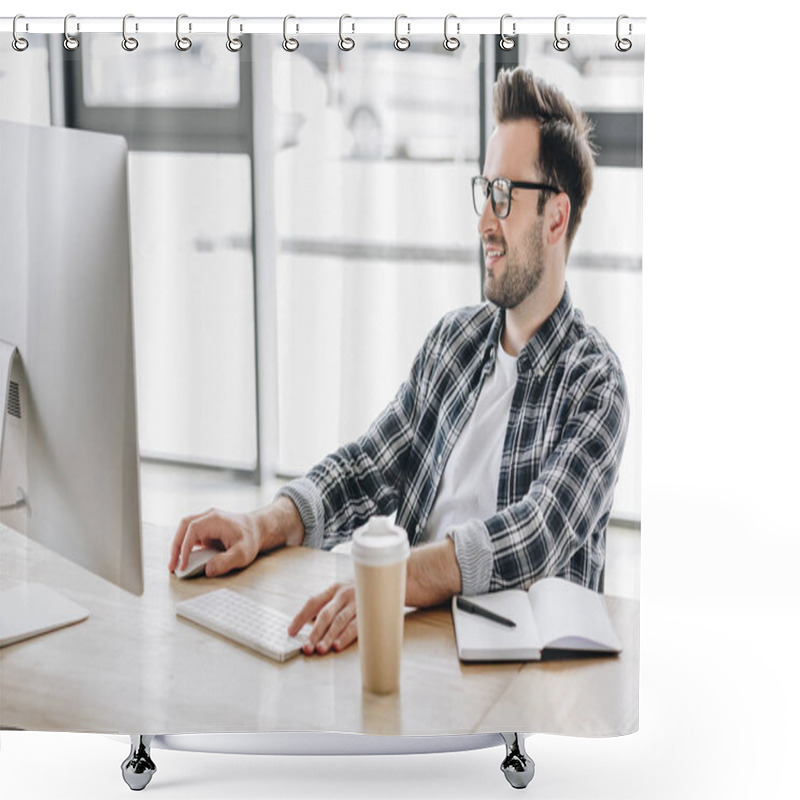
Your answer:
<point x="518" y="766"/>
<point x="138" y="768"/>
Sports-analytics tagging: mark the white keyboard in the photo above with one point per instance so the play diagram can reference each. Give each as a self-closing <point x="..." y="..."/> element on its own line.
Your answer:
<point x="245" y="621"/>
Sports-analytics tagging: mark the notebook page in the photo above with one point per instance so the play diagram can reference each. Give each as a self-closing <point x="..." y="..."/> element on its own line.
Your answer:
<point x="572" y="616"/>
<point x="480" y="638"/>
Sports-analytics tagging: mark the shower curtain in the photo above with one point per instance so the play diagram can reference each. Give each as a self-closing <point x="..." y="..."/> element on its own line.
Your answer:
<point x="300" y="217"/>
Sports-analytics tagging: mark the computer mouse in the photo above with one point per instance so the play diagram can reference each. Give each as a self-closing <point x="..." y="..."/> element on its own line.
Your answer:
<point x="196" y="565"/>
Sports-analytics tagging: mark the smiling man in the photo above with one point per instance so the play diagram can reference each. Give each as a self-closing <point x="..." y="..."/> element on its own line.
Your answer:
<point x="500" y="452"/>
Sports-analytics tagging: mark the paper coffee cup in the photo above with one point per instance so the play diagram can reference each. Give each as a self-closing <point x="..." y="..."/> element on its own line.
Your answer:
<point x="380" y="552"/>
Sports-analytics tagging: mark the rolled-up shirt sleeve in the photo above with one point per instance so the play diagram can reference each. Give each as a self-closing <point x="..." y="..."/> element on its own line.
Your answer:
<point x="366" y="477"/>
<point x="360" y="480"/>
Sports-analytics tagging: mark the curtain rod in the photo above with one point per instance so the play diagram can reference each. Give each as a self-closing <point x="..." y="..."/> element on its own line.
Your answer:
<point x="409" y="26"/>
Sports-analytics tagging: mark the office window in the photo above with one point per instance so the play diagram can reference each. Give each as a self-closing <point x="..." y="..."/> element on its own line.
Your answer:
<point x="606" y="84"/>
<point x="376" y="233"/>
<point x="156" y="75"/>
<point x="193" y="304"/>
<point x="187" y="119"/>
<point x="604" y="271"/>
<point x="25" y="82"/>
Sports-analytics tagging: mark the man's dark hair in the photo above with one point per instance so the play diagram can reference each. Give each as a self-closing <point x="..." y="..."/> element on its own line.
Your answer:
<point x="566" y="151"/>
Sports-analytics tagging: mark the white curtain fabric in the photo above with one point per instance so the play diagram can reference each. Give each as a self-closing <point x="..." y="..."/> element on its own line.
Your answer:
<point x="300" y="221"/>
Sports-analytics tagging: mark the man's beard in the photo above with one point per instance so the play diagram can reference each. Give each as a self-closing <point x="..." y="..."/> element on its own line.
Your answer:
<point x="523" y="272"/>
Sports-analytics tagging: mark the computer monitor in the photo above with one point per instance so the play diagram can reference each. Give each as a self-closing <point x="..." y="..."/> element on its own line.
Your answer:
<point x="69" y="467"/>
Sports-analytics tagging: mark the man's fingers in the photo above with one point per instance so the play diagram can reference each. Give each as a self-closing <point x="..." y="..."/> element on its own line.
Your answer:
<point x="312" y="607"/>
<point x="346" y="615"/>
<point x="227" y="560"/>
<point x="207" y="530"/>
<point x="347" y="636"/>
<point x="177" y="540"/>
<point x="325" y="619"/>
<point x="331" y="619"/>
<point x="192" y="537"/>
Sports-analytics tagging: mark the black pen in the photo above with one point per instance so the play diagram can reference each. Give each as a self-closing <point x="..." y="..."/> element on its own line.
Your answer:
<point x="474" y="608"/>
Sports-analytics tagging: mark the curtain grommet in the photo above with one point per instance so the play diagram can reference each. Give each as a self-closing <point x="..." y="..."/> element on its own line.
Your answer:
<point x="561" y="43"/>
<point x="623" y="44"/>
<point x="451" y="43"/>
<point x="506" y="42"/>
<point x="70" y="42"/>
<point x="289" y="44"/>
<point x="182" y="43"/>
<point x="19" y="43"/>
<point x="346" y="43"/>
<point x="401" y="43"/>
<point x="233" y="44"/>
<point x="129" y="43"/>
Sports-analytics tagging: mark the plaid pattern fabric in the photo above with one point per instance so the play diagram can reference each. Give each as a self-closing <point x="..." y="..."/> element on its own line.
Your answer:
<point x="563" y="444"/>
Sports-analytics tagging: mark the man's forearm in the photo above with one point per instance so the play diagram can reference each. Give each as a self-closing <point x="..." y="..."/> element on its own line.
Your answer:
<point x="433" y="574"/>
<point x="279" y="524"/>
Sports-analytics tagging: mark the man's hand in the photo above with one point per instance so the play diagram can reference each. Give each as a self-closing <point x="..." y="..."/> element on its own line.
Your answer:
<point x="240" y="537"/>
<point x="335" y="613"/>
<point x="433" y="577"/>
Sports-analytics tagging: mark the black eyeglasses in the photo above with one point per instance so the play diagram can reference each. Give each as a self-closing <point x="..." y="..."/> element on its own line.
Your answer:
<point x="500" y="191"/>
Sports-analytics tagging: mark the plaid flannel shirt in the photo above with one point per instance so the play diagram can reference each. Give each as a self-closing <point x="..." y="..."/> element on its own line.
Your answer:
<point x="563" y="443"/>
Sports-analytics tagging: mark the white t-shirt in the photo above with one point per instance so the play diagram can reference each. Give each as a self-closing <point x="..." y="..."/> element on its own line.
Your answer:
<point x="468" y="488"/>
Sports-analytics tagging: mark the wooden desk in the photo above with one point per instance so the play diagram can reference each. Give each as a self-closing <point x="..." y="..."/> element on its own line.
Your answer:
<point x="135" y="667"/>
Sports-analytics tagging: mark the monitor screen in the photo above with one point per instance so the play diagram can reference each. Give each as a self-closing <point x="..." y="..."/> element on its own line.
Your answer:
<point x="70" y="464"/>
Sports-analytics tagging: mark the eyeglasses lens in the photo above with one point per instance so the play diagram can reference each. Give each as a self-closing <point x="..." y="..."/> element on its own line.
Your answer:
<point x="480" y="194"/>
<point x="500" y="195"/>
<point x="500" y="190"/>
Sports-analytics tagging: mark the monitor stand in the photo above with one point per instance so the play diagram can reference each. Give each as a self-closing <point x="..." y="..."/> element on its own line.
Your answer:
<point x="28" y="609"/>
<point x="13" y="439"/>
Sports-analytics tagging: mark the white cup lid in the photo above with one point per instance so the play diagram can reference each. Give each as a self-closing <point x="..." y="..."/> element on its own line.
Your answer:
<point x="380" y="543"/>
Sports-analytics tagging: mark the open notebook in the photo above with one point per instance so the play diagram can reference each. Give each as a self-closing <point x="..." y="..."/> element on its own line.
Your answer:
<point x="554" y="618"/>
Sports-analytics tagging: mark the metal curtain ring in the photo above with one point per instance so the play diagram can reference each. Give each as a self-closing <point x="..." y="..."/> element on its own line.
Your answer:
<point x="623" y="45"/>
<point x="401" y="42"/>
<point x="345" y="42"/>
<point x="451" y="42"/>
<point x="506" y="42"/>
<point x="70" y="42"/>
<point x="128" y="42"/>
<point x="183" y="43"/>
<point x="233" y="44"/>
<point x="289" y="45"/>
<point x="19" y="44"/>
<point x="561" y="43"/>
